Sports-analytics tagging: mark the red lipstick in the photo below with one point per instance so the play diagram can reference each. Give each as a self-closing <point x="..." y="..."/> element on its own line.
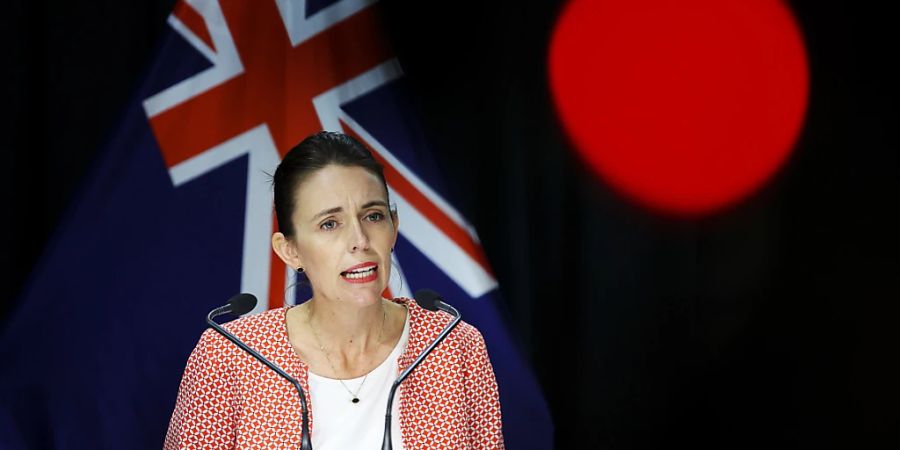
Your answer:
<point x="361" y="273"/>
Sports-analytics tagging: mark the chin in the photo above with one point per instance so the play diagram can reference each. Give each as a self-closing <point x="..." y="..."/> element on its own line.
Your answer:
<point x="365" y="298"/>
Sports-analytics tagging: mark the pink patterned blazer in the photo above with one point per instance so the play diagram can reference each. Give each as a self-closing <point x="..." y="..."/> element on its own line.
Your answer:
<point x="228" y="400"/>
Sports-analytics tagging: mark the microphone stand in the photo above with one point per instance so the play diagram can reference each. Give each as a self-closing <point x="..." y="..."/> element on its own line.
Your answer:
<point x="386" y="444"/>
<point x="305" y="443"/>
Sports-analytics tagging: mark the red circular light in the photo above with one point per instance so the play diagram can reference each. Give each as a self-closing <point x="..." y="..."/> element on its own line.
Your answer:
<point x="686" y="106"/>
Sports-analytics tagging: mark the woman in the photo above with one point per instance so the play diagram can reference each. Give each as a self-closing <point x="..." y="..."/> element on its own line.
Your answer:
<point x="346" y="344"/>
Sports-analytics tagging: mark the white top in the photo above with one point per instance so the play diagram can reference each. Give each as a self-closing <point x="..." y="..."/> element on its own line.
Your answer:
<point x="341" y="424"/>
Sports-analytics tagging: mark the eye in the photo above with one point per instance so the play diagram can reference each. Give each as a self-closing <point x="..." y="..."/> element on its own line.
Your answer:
<point x="328" y="224"/>
<point x="375" y="217"/>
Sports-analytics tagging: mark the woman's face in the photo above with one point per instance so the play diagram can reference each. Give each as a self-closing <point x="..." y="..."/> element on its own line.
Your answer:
<point x="344" y="234"/>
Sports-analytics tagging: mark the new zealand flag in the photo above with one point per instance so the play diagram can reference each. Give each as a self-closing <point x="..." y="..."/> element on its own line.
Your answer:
<point x="177" y="215"/>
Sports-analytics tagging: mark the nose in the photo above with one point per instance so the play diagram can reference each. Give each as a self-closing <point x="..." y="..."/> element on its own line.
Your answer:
<point x="358" y="238"/>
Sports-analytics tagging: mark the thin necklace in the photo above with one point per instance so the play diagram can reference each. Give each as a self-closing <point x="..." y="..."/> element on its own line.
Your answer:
<point x="354" y="396"/>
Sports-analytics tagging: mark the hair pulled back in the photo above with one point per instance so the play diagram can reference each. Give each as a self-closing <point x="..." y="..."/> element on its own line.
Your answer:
<point x="312" y="154"/>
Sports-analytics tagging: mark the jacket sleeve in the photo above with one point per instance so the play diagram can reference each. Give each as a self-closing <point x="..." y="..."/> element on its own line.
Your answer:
<point x="482" y="397"/>
<point x="204" y="416"/>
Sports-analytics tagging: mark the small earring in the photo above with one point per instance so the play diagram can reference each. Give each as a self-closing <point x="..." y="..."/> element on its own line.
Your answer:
<point x="299" y="270"/>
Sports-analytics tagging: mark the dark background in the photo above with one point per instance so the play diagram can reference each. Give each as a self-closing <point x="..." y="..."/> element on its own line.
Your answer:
<point x="770" y="323"/>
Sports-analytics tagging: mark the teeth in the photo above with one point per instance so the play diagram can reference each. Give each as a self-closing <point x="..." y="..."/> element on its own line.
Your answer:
<point x="362" y="273"/>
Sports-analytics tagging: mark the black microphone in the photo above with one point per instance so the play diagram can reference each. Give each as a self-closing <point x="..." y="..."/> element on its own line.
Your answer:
<point x="432" y="301"/>
<point x="242" y="304"/>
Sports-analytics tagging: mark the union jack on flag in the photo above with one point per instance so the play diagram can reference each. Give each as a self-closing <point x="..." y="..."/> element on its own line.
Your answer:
<point x="177" y="217"/>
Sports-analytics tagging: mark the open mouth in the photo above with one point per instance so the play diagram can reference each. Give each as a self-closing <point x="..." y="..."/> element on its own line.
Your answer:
<point x="359" y="273"/>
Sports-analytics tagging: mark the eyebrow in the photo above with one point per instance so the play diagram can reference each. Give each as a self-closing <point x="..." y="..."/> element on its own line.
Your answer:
<point x="340" y="209"/>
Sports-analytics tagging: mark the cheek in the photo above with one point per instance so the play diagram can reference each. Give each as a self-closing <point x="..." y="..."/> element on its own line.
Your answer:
<point x="384" y="231"/>
<point x="318" y="255"/>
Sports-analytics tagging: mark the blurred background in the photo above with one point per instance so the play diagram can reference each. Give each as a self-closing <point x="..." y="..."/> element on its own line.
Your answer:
<point x="766" y="321"/>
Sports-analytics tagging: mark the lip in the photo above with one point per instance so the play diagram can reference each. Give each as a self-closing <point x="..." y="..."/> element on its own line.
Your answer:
<point x="364" y="265"/>
<point x="367" y="279"/>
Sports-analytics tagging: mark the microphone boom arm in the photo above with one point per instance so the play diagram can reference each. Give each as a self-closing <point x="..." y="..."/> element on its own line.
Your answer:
<point x="387" y="444"/>
<point x="305" y="443"/>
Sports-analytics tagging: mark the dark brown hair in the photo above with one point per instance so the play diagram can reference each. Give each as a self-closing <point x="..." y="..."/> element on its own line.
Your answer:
<point x="312" y="154"/>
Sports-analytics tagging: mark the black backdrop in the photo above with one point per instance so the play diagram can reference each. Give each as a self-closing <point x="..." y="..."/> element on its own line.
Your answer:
<point x="768" y="324"/>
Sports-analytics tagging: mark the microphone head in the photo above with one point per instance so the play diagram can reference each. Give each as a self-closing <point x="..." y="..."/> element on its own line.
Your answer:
<point x="426" y="298"/>
<point x="242" y="303"/>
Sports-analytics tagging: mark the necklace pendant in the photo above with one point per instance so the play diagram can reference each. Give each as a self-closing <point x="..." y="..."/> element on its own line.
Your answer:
<point x="355" y="400"/>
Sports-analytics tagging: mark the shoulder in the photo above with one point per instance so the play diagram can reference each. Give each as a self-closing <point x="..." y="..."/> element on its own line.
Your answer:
<point x="258" y="331"/>
<point x="259" y="326"/>
<point x="426" y="325"/>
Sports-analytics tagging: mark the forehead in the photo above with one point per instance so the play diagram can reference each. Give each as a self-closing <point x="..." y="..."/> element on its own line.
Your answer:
<point x="334" y="186"/>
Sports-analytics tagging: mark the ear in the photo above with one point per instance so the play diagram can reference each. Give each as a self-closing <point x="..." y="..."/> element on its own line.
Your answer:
<point x="396" y="220"/>
<point x="286" y="250"/>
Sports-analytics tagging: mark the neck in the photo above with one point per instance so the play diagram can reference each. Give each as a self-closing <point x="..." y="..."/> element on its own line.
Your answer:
<point x="345" y="328"/>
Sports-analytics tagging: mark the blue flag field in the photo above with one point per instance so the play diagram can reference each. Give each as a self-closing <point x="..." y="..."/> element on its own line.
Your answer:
<point x="176" y="217"/>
